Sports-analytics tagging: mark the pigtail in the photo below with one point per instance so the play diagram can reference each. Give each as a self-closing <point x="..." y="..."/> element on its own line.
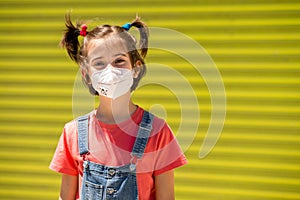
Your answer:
<point x="144" y="34"/>
<point x="70" y="38"/>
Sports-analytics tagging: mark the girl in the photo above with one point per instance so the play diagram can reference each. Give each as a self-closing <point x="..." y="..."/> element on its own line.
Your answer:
<point x="119" y="150"/>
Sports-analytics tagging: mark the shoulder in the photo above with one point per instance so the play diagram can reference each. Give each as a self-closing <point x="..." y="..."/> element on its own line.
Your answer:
<point x="157" y="122"/>
<point x="70" y="130"/>
<point x="160" y="128"/>
<point x="71" y="126"/>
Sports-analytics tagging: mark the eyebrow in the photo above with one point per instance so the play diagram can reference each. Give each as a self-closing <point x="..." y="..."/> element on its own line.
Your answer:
<point x="101" y="57"/>
<point x="119" y="54"/>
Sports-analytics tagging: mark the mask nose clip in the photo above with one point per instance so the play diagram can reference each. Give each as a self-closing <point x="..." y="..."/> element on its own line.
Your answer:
<point x="112" y="69"/>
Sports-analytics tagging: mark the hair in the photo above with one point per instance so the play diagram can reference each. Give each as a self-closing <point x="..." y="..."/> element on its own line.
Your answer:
<point x="78" y="52"/>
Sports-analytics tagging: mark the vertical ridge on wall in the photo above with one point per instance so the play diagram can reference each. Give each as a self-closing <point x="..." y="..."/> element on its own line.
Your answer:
<point x="254" y="44"/>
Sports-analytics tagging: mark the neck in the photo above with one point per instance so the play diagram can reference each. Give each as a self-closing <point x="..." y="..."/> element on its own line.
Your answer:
<point x="114" y="111"/>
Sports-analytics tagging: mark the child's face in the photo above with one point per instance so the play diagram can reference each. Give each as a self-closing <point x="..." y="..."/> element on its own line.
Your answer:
<point x="103" y="52"/>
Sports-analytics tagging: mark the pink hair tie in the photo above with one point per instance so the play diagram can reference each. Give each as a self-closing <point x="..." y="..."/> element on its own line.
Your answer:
<point x="83" y="31"/>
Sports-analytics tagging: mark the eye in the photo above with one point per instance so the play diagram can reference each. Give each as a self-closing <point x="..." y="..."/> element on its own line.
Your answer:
<point x="98" y="64"/>
<point x="120" y="61"/>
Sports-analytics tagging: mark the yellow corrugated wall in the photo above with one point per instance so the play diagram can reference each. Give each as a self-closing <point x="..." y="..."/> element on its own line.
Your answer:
<point x="255" y="46"/>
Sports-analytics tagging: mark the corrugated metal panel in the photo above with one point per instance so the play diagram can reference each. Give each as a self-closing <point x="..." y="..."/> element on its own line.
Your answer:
<point x="254" y="44"/>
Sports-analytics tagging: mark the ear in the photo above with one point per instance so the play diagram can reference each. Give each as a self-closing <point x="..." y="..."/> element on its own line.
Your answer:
<point x="137" y="68"/>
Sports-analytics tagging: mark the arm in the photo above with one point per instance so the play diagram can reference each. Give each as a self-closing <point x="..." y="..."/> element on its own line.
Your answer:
<point x="164" y="186"/>
<point x="68" y="187"/>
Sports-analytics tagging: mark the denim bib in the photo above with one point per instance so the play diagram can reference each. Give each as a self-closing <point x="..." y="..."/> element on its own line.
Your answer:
<point x="111" y="183"/>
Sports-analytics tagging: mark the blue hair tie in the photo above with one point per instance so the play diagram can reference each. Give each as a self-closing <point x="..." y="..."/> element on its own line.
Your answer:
<point x="127" y="26"/>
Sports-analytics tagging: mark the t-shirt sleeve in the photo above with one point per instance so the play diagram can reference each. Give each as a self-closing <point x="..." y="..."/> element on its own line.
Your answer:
<point x="168" y="154"/>
<point x="64" y="160"/>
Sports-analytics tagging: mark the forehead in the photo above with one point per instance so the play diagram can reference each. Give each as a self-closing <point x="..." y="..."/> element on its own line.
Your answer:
<point x="106" y="47"/>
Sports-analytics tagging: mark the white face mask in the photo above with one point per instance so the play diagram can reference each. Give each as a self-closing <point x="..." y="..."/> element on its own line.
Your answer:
<point x="112" y="82"/>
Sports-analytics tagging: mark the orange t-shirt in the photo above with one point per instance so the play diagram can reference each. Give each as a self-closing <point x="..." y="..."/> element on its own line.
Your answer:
<point x="111" y="145"/>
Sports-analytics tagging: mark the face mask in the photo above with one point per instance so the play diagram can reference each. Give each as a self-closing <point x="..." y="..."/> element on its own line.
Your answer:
<point x="112" y="82"/>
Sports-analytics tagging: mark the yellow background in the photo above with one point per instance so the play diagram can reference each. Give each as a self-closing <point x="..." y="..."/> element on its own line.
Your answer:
<point x="255" y="45"/>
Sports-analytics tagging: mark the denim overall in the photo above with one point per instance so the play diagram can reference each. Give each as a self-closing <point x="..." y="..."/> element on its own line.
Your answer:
<point x="104" y="182"/>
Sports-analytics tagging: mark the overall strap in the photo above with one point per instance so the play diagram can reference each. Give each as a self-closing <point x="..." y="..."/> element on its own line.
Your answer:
<point x="143" y="135"/>
<point x="83" y="129"/>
